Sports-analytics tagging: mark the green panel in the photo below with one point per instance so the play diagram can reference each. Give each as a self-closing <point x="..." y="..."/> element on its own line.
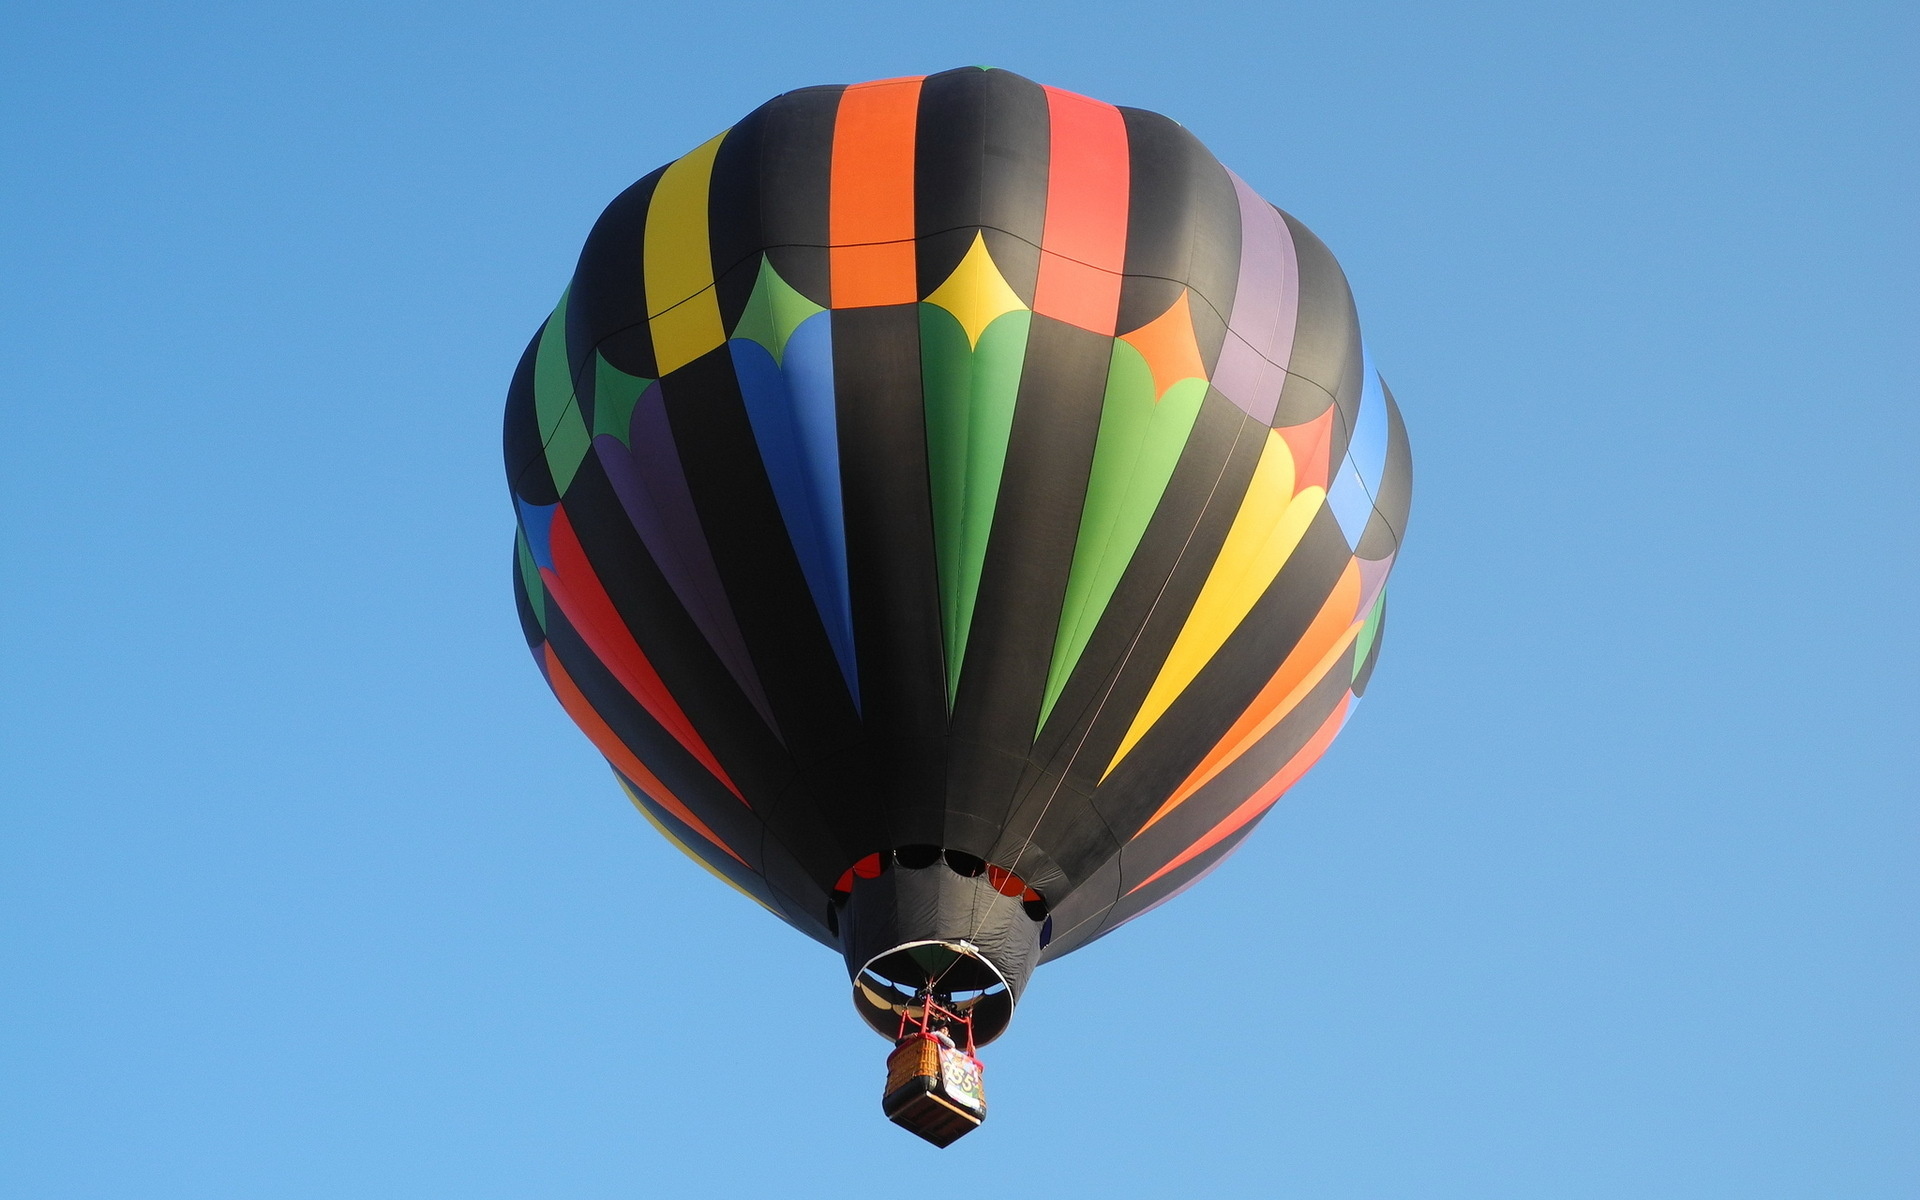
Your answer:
<point x="562" y="431"/>
<point x="1139" y="445"/>
<point x="530" y="578"/>
<point x="969" y="395"/>
<point x="935" y="960"/>
<point x="773" y="312"/>
<point x="614" y="394"/>
<point x="1364" y="642"/>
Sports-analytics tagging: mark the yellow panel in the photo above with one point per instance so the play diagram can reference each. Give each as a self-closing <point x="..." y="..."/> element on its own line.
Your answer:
<point x="683" y="311"/>
<point x="976" y="292"/>
<point x="681" y="846"/>
<point x="1270" y="523"/>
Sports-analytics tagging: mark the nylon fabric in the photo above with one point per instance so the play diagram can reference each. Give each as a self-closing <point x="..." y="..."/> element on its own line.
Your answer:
<point x="954" y="461"/>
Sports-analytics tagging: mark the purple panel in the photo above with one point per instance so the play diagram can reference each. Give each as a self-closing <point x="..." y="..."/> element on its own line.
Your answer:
<point x="1373" y="576"/>
<point x="1266" y="302"/>
<point x="653" y="490"/>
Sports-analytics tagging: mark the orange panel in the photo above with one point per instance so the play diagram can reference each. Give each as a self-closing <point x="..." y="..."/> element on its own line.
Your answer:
<point x="1312" y="444"/>
<point x="1263" y="799"/>
<point x="615" y="751"/>
<point x="1332" y="631"/>
<point x="870" y="218"/>
<point x="1083" y="246"/>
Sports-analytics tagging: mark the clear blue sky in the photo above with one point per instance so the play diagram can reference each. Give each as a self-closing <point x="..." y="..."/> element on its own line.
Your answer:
<point x="1609" y="889"/>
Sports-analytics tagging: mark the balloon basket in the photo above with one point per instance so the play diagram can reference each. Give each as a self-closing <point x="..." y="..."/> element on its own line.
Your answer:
<point x="934" y="1087"/>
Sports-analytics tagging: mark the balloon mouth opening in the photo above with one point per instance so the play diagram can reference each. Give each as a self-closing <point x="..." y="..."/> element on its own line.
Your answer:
<point x="894" y="986"/>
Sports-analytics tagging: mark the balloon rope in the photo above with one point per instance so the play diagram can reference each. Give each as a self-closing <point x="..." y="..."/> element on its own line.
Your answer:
<point x="1114" y="680"/>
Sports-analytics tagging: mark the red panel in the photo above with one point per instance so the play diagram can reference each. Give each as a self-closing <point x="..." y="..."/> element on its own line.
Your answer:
<point x="1006" y="882"/>
<point x="870" y="219"/>
<point x="591" y="612"/>
<point x="866" y="868"/>
<point x="615" y="751"/>
<point x="1263" y="799"/>
<point x="1312" y="446"/>
<point x="1083" y="246"/>
<point x="1303" y="667"/>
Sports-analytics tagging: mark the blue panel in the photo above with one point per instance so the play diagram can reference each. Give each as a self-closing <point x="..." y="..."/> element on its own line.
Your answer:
<point x="791" y="407"/>
<point x="1368" y="449"/>
<point x="536" y="521"/>
<point x="1350" y="496"/>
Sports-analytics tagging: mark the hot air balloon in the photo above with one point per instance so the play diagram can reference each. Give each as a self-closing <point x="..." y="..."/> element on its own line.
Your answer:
<point x="958" y="510"/>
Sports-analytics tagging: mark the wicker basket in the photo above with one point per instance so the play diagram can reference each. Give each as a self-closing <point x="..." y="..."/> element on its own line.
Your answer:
<point x="934" y="1092"/>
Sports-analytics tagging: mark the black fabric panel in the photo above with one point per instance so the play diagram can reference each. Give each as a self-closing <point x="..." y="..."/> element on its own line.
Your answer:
<point x="1388" y="525"/>
<point x="1183" y="230"/>
<point x="528" y="476"/>
<point x="734" y="235"/>
<point x="607" y="304"/>
<point x="1013" y="194"/>
<point x="1078" y="918"/>
<point x="949" y="154"/>
<point x="1159" y="218"/>
<point x="1213" y="470"/>
<point x="705" y="691"/>
<point x="1053" y="834"/>
<point x="1180" y="547"/>
<point x="801" y="896"/>
<point x="796" y="171"/>
<point x="1213" y="271"/>
<point x="1246" y="775"/>
<point x="891" y="566"/>
<point x="1147" y="611"/>
<point x="769" y="597"/>
<point x="692" y="672"/>
<point x="981" y="163"/>
<point x="751" y="880"/>
<point x="1325" y="363"/>
<point x="737" y="283"/>
<point x="1024" y="578"/>
<point x="692" y="783"/>
<point x="1132" y="904"/>
<point x="1217" y="800"/>
<point x="806" y="854"/>
<point x="523" y="606"/>
<point x="933" y="903"/>
<point x="1209" y="706"/>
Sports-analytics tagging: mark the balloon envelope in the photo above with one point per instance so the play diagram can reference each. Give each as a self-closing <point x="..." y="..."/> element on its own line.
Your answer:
<point x="954" y="479"/>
